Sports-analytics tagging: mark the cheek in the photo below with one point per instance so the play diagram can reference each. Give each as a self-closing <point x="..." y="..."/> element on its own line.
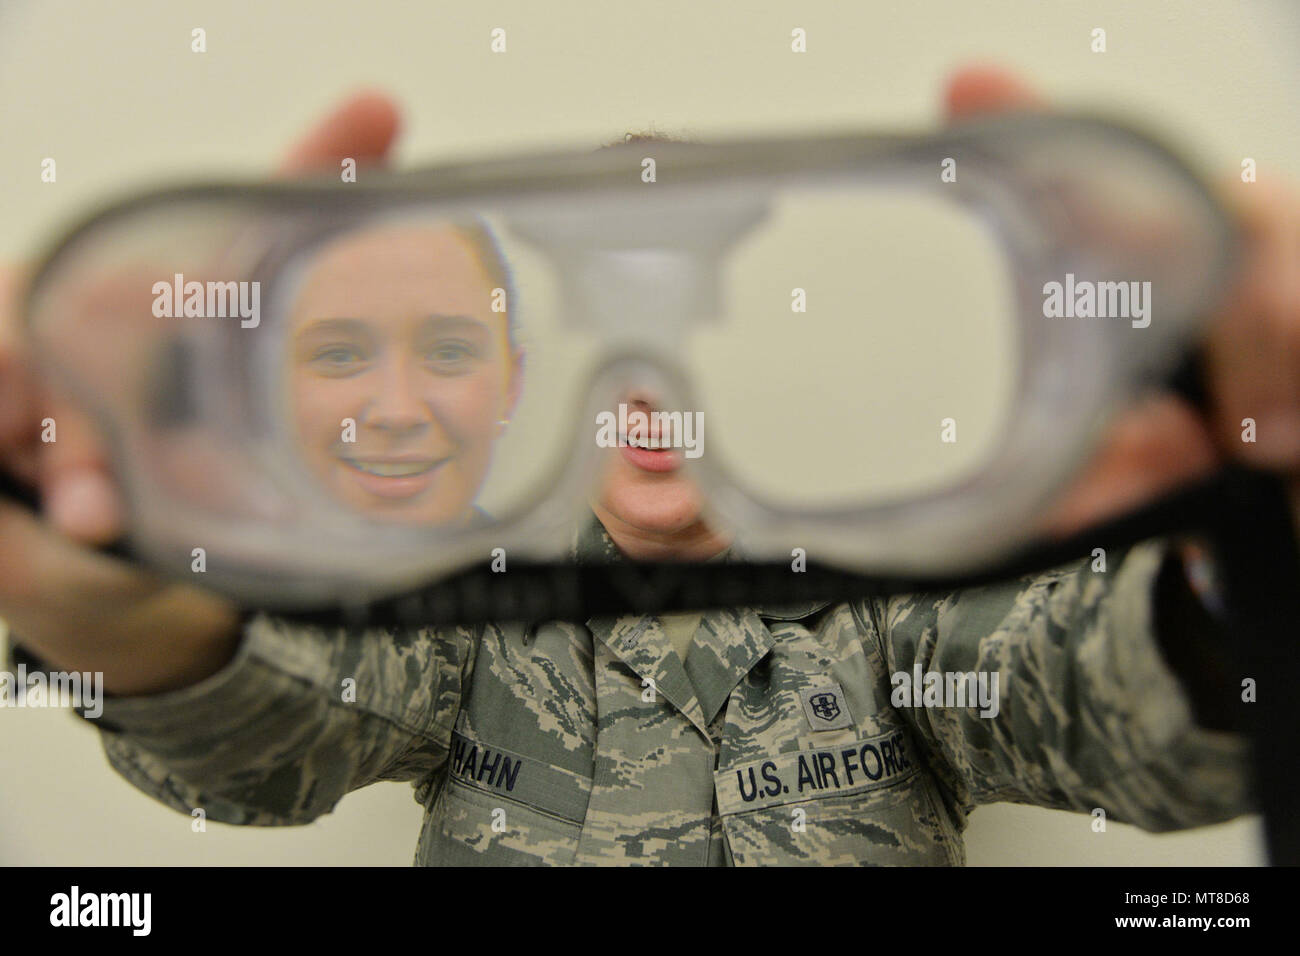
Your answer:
<point x="619" y="482"/>
<point x="468" y="406"/>
<point x="321" y="404"/>
<point x="614" y="476"/>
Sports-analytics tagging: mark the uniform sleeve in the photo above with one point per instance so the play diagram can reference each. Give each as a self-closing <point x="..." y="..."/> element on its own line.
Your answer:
<point x="300" y="717"/>
<point x="1088" y="712"/>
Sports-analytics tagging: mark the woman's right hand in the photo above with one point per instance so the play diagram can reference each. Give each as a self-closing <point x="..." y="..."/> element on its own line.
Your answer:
<point x="75" y="607"/>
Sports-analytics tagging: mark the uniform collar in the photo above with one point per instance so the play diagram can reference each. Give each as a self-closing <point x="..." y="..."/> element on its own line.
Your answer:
<point x="593" y="545"/>
<point x="729" y="642"/>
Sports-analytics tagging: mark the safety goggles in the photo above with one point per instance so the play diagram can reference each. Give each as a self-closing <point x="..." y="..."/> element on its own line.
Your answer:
<point x="885" y="352"/>
<point x="882" y="355"/>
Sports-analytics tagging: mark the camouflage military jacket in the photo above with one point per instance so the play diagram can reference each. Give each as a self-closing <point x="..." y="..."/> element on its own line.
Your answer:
<point x="785" y="737"/>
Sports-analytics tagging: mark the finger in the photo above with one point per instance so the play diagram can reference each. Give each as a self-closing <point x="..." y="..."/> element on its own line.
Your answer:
<point x="19" y="404"/>
<point x="36" y="563"/>
<point x="1253" y="348"/>
<point x="12" y="279"/>
<point x="77" y="490"/>
<point x="20" y="549"/>
<point x="19" y="421"/>
<point x="1150" y="450"/>
<point x="986" y="88"/>
<point x="16" y="385"/>
<point x="18" y="388"/>
<point x="363" y="128"/>
<point x="99" y="600"/>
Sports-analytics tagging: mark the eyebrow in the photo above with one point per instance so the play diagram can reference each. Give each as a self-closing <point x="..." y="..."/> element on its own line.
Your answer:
<point x="340" y="326"/>
<point x="334" y="327"/>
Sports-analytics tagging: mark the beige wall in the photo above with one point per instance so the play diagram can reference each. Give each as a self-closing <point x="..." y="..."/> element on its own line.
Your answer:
<point x="113" y="92"/>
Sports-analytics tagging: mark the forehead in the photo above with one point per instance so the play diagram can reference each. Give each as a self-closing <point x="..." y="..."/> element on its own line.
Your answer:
<point x="393" y="272"/>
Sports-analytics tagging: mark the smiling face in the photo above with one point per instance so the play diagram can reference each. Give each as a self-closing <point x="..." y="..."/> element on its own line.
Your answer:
<point x="651" y="510"/>
<point x="393" y="329"/>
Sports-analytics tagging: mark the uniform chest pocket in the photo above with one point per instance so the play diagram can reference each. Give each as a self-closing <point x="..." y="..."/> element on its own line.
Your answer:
<point x="500" y="808"/>
<point x="864" y="803"/>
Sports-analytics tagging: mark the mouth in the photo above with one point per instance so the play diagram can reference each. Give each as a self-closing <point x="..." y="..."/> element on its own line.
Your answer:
<point x="393" y="468"/>
<point x="394" y="478"/>
<point x="644" y="455"/>
<point x="645" y="444"/>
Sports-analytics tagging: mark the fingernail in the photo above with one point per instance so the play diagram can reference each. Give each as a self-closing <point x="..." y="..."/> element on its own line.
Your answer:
<point x="83" y="506"/>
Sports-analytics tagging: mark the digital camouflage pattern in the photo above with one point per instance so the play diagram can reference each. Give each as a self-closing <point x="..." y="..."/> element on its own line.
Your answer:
<point x="595" y="744"/>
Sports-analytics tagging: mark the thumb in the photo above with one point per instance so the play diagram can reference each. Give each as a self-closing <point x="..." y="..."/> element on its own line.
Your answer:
<point x="363" y="127"/>
<point x="972" y="90"/>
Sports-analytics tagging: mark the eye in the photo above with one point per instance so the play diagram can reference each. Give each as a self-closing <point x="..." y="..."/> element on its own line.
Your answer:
<point x="450" y="357"/>
<point x="338" y="360"/>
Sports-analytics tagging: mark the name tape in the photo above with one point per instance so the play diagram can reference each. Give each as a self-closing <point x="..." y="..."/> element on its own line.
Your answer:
<point x="502" y="772"/>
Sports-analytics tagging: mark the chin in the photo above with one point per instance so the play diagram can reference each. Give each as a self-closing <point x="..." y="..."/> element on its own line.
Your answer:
<point x="653" y="503"/>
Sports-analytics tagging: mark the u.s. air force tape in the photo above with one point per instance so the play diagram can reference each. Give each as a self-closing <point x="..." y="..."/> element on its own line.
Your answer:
<point x="503" y="772"/>
<point x="870" y="764"/>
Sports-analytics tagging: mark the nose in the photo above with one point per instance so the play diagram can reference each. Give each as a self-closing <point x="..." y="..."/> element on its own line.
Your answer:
<point x="642" y="398"/>
<point x="397" y="404"/>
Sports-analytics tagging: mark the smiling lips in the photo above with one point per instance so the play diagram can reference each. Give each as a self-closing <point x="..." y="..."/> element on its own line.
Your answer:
<point x="399" y="468"/>
<point x="394" y="477"/>
<point x="645" y="456"/>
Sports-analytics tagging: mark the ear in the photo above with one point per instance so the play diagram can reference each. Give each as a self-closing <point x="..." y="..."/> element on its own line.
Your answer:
<point x="972" y="90"/>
